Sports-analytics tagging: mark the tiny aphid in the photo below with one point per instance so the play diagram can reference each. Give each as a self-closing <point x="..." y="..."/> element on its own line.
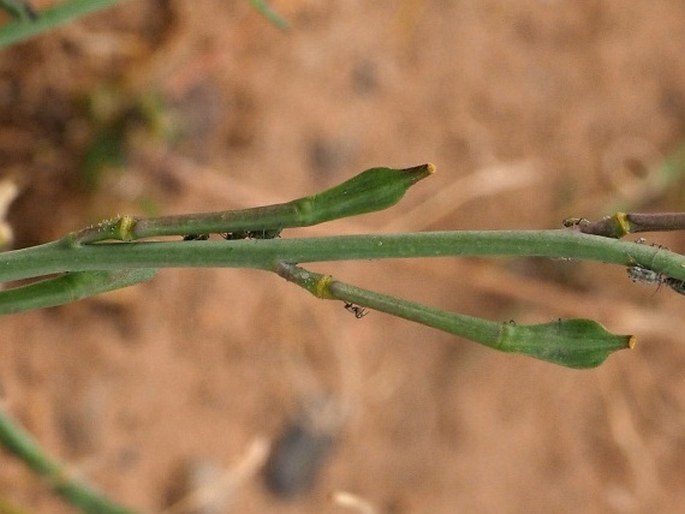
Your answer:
<point x="638" y="273"/>
<point x="358" y="311"/>
<point x="252" y="234"/>
<point x="677" y="285"/>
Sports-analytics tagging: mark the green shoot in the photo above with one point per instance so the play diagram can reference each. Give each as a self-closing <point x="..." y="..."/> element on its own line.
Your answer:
<point x="17" y="441"/>
<point x="20" y="10"/>
<point x="265" y="9"/>
<point x="575" y="343"/>
<point x="49" y="19"/>
<point x="69" y="287"/>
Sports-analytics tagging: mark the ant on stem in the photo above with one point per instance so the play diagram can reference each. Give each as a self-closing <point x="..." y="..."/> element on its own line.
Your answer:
<point x="358" y="311"/>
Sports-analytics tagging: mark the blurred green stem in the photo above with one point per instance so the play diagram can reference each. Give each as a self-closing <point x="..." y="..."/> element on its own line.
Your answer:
<point x="20" y="443"/>
<point x="50" y="18"/>
<point x="265" y="9"/>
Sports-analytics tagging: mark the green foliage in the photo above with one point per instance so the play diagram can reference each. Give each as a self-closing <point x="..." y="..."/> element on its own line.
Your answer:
<point x="25" y="27"/>
<point x="29" y="23"/>
<point x="115" y="116"/>
<point x="17" y="441"/>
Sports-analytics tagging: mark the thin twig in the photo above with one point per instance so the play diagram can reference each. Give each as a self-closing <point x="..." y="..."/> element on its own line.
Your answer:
<point x="21" y="444"/>
<point x="621" y="224"/>
<point x="50" y="18"/>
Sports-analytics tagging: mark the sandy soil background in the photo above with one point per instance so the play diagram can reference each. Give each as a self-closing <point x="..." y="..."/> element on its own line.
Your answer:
<point x="532" y="111"/>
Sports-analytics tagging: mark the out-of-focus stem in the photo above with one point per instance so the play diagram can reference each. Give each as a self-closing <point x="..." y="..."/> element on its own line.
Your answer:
<point x="50" y="18"/>
<point x="16" y="440"/>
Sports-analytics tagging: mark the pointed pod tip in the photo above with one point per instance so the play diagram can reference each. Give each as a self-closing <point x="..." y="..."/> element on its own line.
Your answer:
<point x="632" y="342"/>
<point x="421" y="171"/>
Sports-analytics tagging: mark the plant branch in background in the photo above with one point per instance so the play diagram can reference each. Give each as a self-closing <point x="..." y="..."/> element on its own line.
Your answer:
<point x="17" y="441"/>
<point x="28" y="22"/>
<point x="21" y="10"/>
<point x="26" y="27"/>
<point x="265" y="9"/>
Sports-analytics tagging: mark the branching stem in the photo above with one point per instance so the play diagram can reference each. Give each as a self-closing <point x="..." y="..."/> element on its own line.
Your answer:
<point x="57" y="257"/>
<point x="621" y="224"/>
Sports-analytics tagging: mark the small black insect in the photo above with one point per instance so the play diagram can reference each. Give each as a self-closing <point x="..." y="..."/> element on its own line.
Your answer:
<point x="196" y="237"/>
<point x="252" y="234"/>
<point x="677" y="285"/>
<point x="358" y="311"/>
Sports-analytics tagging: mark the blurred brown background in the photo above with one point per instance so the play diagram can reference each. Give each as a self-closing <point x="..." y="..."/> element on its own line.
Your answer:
<point x="532" y="111"/>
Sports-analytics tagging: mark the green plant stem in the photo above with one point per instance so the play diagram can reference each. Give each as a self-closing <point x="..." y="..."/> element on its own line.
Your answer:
<point x="21" y="10"/>
<point x="50" y="18"/>
<point x="59" y="257"/>
<point x="372" y="190"/>
<point x="20" y="443"/>
<point x="576" y="343"/>
<point x="69" y="287"/>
